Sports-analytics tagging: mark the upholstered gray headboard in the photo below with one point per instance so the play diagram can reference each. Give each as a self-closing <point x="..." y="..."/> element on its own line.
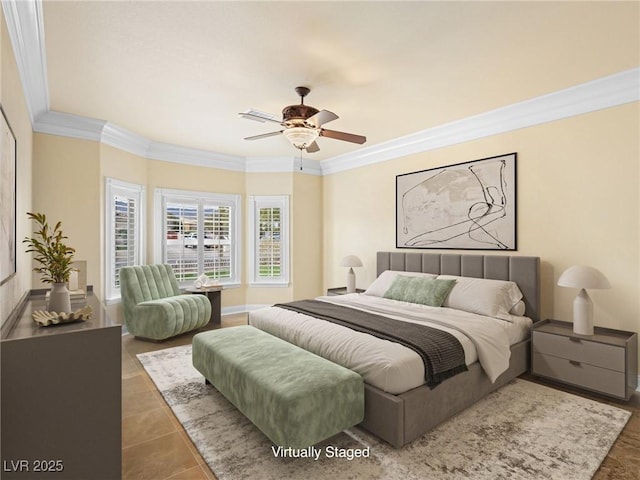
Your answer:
<point x="525" y="271"/>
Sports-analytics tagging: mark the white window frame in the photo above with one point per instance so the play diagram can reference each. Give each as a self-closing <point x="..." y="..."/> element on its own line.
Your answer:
<point x="113" y="188"/>
<point x="162" y="195"/>
<point x="255" y="204"/>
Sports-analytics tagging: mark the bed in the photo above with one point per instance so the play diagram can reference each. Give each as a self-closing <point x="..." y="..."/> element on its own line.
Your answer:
<point x="397" y="411"/>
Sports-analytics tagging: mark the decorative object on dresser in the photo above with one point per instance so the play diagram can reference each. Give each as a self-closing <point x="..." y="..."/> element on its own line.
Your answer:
<point x="470" y="205"/>
<point x="44" y="318"/>
<point x="55" y="259"/>
<point x="605" y="362"/>
<point x="583" y="277"/>
<point x="351" y="261"/>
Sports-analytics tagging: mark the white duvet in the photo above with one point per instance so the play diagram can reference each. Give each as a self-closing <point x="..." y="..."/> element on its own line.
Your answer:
<point x="389" y="365"/>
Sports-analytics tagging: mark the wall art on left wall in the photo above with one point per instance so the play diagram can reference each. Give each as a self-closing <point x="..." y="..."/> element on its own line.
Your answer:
<point x="468" y="206"/>
<point x="7" y="200"/>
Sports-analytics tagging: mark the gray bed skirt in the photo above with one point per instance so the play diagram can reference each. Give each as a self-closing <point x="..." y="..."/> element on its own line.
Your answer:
<point x="400" y="419"/>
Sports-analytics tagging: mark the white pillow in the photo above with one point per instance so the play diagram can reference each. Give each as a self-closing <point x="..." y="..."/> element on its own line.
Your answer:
<point x="492" y="298"/>
<point x="381" y="284"/>
<point x="518" y="309"/>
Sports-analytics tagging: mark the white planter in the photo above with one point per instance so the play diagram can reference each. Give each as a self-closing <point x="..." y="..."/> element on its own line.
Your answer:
<point x="59" y="298"/>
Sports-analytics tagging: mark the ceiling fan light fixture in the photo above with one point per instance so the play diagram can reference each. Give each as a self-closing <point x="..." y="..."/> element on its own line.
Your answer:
<point x="301" y="137"/>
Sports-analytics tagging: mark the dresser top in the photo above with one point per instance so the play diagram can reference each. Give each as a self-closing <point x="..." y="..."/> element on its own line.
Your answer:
<point x="25" y="327"/>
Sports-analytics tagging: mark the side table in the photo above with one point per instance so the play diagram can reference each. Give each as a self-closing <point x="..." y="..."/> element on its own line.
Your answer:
<point x="606" y="362"/>
<point x="214" y="294"/>
<point x="341" y="291"/>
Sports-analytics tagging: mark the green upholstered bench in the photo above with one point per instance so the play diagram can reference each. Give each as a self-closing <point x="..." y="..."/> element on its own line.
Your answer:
<point x="294" y="397"/>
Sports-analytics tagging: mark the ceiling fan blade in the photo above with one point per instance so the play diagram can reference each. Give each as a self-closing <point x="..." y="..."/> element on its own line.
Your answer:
<point x="313" y="148"/>
<point x="320" y="118"/>
<point x="264" y="135"/>
<point x="259" y="116"/>
<point x="347" y="137"/>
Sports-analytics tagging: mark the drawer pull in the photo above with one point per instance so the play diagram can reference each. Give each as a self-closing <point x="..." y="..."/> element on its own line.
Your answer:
<point x="573" y="362"/>
<point x="574" y="339"/>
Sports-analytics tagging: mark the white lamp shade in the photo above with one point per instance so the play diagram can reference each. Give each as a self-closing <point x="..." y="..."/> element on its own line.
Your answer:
<point x="580" y="276"/>
<point x="583" y="277"/>
<point x="351" y="261"/>
<point x="301" y="137"/>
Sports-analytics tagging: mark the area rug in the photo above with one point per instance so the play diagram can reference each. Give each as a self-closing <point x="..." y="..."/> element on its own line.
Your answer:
<point x="522" y="431"/>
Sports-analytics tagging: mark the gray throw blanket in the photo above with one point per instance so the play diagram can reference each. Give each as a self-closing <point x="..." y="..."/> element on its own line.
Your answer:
<point x="441" y="352"/>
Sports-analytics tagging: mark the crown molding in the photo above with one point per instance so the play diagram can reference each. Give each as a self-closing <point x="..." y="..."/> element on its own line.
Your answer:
<point x="282" y="165"/>
<point x="25" y="26"/>
<point x="124" y="139"/>
<point x="26" y="31"/>
<point x="191" y="156"/>
<point x="68" y="125"/>
<point x="605" y="92"/>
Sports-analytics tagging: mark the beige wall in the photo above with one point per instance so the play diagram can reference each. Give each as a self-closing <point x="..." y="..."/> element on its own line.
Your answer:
<point x="67" y="188"/>
<point x="577" y="203"/>
<point x="306" y="238"/>
<point x="13" y="103"/>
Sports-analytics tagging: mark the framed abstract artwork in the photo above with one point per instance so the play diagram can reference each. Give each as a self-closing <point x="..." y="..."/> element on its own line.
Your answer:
<point x="7" y="201"/>
<point x="466" y="206"/>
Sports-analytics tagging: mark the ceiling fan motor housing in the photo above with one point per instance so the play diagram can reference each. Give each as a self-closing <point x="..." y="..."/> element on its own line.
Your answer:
<point x="297" y="114"/>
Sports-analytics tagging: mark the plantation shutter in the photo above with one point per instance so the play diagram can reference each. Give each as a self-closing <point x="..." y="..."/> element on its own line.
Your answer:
<point x="181" y="239"/>
<point x="124" y="239"/>
<point x="126" y="243"/>
<point x="199" y="234"/>
<point x="269" y="243"/>
<point x="269" y="230"/>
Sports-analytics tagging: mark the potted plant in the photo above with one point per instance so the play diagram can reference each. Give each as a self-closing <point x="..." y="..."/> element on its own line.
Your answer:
<point x="54" y="258"/>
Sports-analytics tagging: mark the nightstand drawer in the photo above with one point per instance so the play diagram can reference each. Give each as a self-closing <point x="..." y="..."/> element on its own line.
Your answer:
<point x="610" y="357"/>
<point x="580" y="374"/>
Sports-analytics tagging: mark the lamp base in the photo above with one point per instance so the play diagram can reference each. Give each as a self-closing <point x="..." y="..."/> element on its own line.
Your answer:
<point x="351" y="281"/>
<point x="583" y="314"/>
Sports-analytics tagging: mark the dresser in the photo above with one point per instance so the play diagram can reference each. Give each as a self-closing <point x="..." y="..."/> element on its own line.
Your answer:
<point x="61" y="397"/>
<point x="606" y="362"/>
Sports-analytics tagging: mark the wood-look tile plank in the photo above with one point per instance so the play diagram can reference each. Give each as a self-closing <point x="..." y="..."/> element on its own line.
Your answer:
<point x="195" y="473"/>
<point x="157" y="459"/>
<point x="146" y="426"/>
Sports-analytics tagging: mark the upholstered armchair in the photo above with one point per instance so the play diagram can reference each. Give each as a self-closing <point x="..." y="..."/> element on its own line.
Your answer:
<point x="153" y="306"/>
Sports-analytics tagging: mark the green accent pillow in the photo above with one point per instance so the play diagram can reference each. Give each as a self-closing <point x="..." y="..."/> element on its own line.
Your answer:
<point x="425" y="291"/>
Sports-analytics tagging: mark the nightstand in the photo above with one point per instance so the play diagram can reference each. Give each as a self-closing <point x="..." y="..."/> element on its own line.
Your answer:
<point x="606" y="362"/>
<point x="341" y="291"/>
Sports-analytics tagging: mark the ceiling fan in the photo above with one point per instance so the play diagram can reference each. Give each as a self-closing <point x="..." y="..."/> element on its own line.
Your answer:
<point x="302" y="124"/>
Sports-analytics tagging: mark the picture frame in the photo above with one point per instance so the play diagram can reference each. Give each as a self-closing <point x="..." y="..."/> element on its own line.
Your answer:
<point x="8" y="166"/>
<point x="464" y="206"/>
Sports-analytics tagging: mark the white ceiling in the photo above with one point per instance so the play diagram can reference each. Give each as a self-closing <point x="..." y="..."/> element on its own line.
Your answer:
<point x="179" y="71"/>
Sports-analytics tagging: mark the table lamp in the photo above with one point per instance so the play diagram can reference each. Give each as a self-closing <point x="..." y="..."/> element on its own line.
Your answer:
<point x="582" y="277"/>
<point x="351" y="261"/>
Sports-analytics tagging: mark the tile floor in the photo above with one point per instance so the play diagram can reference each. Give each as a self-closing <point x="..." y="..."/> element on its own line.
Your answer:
<point x="156" y="447"/>
<point x="154" y="444"/>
